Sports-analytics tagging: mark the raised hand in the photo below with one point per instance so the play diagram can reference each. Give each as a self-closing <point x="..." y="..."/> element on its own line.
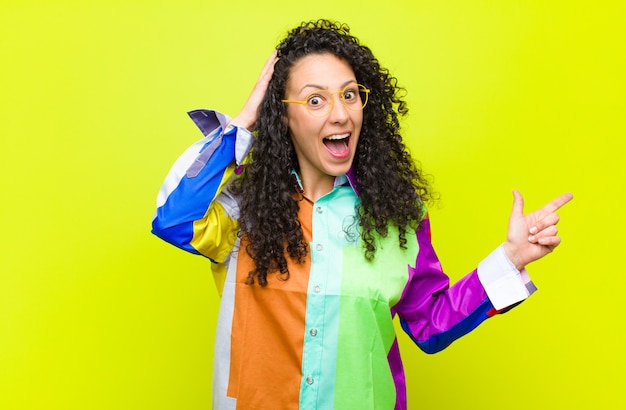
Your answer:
<point x="531" y="237"/>
<point x="248" y="114"/>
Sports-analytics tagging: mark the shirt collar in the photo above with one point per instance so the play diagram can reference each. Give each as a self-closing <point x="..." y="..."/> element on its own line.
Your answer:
<point x="347" y="179"/>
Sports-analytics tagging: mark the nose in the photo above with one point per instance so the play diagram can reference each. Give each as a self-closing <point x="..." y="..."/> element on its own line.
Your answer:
<point x="338" y="112"/>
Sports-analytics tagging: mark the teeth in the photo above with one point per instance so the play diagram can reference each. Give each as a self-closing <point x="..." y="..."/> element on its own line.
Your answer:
<point x="338" y="137"/>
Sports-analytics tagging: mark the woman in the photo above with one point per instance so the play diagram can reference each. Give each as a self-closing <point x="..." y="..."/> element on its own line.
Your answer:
<point x="322" y="237"/>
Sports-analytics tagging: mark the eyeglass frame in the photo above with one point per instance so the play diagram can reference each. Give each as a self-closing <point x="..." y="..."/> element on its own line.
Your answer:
<point x="361" y="89"/>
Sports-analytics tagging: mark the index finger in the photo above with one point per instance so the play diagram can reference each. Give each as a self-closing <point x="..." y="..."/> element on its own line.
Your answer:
<point x="556" y="203"/>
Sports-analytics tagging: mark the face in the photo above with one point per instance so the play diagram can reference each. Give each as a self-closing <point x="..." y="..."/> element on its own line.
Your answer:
<point x="324" y="146"/>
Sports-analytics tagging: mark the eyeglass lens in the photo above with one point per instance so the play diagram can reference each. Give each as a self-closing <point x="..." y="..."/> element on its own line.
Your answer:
<point x="319" y="103"/>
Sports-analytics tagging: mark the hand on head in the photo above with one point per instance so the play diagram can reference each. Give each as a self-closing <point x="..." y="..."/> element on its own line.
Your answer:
<point x="248" y="114"/>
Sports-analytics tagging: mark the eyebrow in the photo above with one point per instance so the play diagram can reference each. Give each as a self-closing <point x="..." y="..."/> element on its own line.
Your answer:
<point x="319" y="87"/>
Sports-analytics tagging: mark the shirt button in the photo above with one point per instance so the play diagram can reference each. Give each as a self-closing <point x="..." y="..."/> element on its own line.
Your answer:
<point x="309" y="380"/>
<point x="319" y="247"/>
<point x="319" y="209"/>
<point x="316" y="289"/>
<point x="313" y="332"/>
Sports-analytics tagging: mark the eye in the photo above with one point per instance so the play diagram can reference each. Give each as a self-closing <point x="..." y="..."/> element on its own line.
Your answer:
<point x="350" y="95"/>
<point x="315" y="101"/>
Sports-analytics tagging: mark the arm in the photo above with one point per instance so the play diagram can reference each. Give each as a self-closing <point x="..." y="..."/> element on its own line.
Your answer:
<point x="435" y="314"/>
<point x="192" y="212"/>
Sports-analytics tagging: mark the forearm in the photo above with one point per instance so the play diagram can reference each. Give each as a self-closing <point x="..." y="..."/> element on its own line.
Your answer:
<point x="196" y="179"/>
<point x="435" y="314"/>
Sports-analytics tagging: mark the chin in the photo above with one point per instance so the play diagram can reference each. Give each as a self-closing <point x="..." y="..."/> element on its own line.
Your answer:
<point x="339" y="170"/>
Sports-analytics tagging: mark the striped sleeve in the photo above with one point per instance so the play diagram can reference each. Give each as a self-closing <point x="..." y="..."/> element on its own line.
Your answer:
<point x="434" y="314"/>
<point x="194" y="209"/>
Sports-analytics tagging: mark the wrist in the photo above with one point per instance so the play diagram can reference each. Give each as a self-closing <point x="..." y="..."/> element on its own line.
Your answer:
<point x="243" y="121"/>
<point x="512" y="255"/>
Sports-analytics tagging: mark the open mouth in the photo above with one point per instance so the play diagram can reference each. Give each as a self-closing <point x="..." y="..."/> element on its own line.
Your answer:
<point x="338" y="145"/>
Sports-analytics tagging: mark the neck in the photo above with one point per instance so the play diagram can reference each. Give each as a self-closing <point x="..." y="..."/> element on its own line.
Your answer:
<point x="316" y="187"/>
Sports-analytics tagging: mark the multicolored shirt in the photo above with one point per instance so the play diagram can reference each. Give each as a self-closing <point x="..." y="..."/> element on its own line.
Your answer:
<point x="324" y="338"/>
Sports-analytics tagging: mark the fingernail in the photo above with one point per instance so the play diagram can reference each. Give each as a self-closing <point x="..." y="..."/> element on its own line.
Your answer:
<point x="531" y="238"/>
<point x="533" y="230"/>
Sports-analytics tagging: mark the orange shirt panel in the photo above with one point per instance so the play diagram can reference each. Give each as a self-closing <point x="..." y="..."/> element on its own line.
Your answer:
<point x="265" y="371"/>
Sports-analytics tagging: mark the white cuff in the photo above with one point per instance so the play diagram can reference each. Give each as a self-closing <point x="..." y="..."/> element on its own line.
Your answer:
<point x="243" y="144"/>
<point x="503" y="284"/>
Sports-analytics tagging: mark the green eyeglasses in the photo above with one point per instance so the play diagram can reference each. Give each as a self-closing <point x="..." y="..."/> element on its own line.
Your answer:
<point x="320" y="102"/>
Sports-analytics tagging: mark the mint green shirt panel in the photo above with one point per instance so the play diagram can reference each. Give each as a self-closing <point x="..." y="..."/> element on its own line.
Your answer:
<point x="366" y="330"/>
<point x="333" y="228"/>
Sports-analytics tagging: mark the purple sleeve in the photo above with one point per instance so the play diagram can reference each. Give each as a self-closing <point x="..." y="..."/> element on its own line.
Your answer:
<point x="432" y="312"/>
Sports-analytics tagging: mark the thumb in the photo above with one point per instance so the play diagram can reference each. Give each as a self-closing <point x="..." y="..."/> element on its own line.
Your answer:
<point x="518" y="204"/>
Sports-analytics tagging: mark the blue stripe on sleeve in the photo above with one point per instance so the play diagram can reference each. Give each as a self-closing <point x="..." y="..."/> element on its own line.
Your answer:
<point x="190" y="200"/>
<point x="440" y="341"/>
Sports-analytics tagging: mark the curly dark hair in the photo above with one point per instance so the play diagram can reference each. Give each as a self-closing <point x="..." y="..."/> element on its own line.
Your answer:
<point x="390" y="186"/>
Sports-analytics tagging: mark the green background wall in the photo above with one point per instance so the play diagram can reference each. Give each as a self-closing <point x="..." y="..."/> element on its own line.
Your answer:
<point x="96" y="313"/>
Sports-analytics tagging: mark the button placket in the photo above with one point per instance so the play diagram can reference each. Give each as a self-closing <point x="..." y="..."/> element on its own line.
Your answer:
<point x="327" y="258"/>
<point x="314" y="340"/>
